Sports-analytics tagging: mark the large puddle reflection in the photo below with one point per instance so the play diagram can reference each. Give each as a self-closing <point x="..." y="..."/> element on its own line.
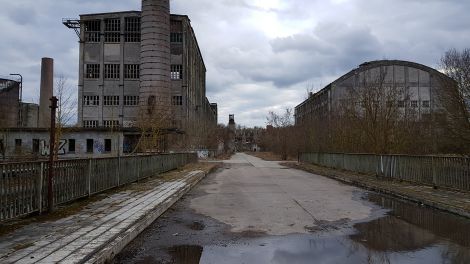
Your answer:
<point x="406" y="234"/>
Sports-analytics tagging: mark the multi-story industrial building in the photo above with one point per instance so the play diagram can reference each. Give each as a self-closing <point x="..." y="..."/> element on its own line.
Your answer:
<point x="419" y="83"/>
<point x="138" y="64"/>
<point x="13" y="112"/>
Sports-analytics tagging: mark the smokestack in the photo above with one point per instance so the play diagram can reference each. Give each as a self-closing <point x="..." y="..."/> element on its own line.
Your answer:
<point x="155" y="59"/>
<point x="47" y="86"/>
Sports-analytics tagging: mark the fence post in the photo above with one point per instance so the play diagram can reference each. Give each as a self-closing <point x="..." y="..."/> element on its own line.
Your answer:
<point x="41" y="178"/>
<point x="139" y="167"/>
<point x="433" y="168"/>
<point x="89" y="178"/>
<point x="119" y="172"/>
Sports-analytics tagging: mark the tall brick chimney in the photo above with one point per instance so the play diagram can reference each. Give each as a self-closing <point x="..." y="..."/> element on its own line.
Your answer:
<point x="155" y="58"/>
<point x="46" y="92"/>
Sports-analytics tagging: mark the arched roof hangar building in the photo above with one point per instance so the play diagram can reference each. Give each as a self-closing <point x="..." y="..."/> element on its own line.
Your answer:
<point x="420" y="82"/>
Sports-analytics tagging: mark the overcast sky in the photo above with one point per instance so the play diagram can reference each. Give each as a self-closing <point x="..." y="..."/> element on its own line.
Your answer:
<point x="261" y="55"/>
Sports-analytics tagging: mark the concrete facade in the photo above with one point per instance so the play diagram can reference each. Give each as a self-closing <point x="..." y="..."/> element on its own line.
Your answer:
<point x="13" y="112"/>
<point x="9" y="103"/>
<point x="115" y="83"/>
<point x="420" y="82"/>
<point x="33" y="144"/>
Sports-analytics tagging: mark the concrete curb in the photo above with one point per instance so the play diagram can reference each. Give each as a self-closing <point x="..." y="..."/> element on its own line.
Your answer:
<point x="112" y="247"/>
<point x="440" y="206"/>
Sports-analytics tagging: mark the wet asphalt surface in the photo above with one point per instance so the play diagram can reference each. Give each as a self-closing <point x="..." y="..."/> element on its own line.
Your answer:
<point x="395" y="232"/>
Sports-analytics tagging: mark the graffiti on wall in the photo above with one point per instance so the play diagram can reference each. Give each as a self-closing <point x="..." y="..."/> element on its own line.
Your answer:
<point x="44" y="147"/>
<point x="99" y="146"/>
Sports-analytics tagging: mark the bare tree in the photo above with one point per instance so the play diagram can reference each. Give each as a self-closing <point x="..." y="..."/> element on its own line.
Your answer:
<point x="280" y="136"/>
<point x="67" y="105"/>
<point x="378" y="110"/>
<point x="454" y="98"/>
<point x="66" y="109"/>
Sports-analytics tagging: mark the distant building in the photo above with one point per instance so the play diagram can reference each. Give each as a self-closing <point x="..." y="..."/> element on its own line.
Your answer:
<point x="421" y="83"/>
<point x="33" y="143"/>
<point x="13" y="112"/>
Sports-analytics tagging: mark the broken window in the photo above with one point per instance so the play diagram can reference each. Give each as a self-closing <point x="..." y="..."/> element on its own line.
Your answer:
<point x="35" y="145"/>
<point x="414" y="103"/>
<point x="110" y="123"/>
<point x="131" y="100"/>
<point x="131" y="71"/>
<point x="18" y="142"/>
<point x="177" y="100"/>
<point x="90" y="123"/>
<point x="426" y="104"/>
<point x="91" y="100"/>
<point x="176" y="37"/>
<point x="107" y="145"/>
<point x="89" y="145"/>
<point x="112" y="100"/>
<point x="71" y="145"/>
<point x="111" y="71"/>
<point x="93" y="31"/>
<point x="112" y="30"/>
<point x="132" y="29"/>
<point x="92" y="71"/>
<point x="177" y="72"/>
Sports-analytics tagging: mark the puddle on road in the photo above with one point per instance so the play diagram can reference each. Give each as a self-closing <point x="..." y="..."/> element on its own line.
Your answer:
<point x="186" y="254"/>
<point x="406" y="234"/>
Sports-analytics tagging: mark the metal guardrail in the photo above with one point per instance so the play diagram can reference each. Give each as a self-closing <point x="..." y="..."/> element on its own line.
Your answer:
<point x="438" y="171"/>
<point x="23" y="186"/>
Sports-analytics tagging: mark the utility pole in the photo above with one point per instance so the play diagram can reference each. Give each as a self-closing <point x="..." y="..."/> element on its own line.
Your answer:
<point x="50" y="194"/>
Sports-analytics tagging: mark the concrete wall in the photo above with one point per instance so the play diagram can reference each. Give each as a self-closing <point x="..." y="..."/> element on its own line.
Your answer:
<point x="29" y="115"/>
<point x="29" y="138"/>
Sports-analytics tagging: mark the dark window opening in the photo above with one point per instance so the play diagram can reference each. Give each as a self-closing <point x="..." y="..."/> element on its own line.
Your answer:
<point x="132" y="29"/>
<point x="111" y="71"/>
<point x="177" y="100"/>
<point x="89" y="145"/>
<point x="112" y="29"/>
<point x="176" y="37"/>
<point x="93" y="31"/>
<point x="92" y="71"/>
<point x="176" y="72"/>
<point x="72" y="145"/>
<point x="131" y="71"/>
<point x="35" y="145"/>
<point x="107" y="145"/>
<point x="18" y="143"/>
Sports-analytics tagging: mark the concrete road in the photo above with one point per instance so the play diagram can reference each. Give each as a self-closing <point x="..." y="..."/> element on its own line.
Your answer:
<point x="255" y="195"/>
<point x="255" y="211"/>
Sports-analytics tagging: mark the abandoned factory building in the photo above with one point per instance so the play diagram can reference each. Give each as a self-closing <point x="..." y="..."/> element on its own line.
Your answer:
<point x="417" y="86"/>
<point x="134" y="64"/>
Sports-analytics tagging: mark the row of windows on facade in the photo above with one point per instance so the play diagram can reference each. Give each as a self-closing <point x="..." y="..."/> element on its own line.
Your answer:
<point x="112" y="31"/>
<point x="71" y="145"/>
<point x="110" y="100"/>
<point x="400" y="104"/>
<point x="131" y="71"/>
<point x="106" y="123"/>
<point x="114" y="100"/>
